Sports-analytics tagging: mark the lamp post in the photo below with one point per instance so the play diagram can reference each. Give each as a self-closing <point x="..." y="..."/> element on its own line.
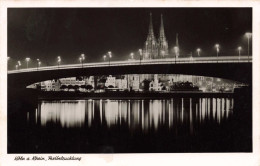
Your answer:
<point x="132" y="55"/>
<point x="248" y="35"/>
<point x="19" y="64"/>
<point x="217" y="48"/>
<point x="141" y="54"/>
<point x="80" y="60"/>
<point x="59" y="60"/>
<point x="239" y="50"/>
<point x="198" y="51"/>
<point x="27" y="61"/>
<point x="109" y="57"/>
<point x="104" y="57"/>
<point x="16" y="67"/>
<point x="39" y="64"/>
<point x="176" y="53"/>
<point x="82" y="56"/>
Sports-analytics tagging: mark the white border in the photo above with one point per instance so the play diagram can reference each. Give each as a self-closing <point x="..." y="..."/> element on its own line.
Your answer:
<point x="201" y="159"/>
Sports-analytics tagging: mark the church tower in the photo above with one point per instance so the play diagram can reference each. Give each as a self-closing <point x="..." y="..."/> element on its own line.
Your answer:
<point x="162" y="42"/>
<point x="150" y="50"/>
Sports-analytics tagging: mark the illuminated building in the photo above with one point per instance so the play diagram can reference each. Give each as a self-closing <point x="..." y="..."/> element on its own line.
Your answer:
<point x="111" y="81"/>
<point x="153" y="48"/>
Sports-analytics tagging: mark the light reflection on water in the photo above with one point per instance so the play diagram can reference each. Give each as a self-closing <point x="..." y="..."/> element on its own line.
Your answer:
<point x="136" y="114"/>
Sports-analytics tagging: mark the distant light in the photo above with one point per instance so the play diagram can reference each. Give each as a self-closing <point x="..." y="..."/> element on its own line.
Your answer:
<point x="59" y="59"/>
<point x="239" y="48"/>
<point x="198" y="49"/>
<point x="132" y="55"/>
<point x="27" y="59"/>
<point x="110" y="54"/>
<point x="175" y="49"/>
<point x="83" y="56"/>
<point x="140" y="51"/>
<point x="248" y="34"/>
<point x="163" y="52"/>
<point x="217" y="47"/>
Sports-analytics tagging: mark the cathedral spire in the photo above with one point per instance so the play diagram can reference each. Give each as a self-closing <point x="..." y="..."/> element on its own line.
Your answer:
<point x="150" y="33"/>
<point x="162" y="42"/>
<point x="162" y="34"/>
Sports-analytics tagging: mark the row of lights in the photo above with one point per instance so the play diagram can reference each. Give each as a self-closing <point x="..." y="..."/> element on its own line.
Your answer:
<point x="217" y="46"/>
<point x="177" y="51"/>
<point x="109" y="55"/>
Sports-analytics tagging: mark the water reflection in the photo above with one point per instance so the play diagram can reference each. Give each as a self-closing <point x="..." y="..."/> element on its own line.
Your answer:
<point x="142" y="115"/>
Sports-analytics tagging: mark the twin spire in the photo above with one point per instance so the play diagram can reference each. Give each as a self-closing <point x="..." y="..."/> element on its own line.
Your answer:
<point x="161" y="32"/>
<point x="153" y="48"/>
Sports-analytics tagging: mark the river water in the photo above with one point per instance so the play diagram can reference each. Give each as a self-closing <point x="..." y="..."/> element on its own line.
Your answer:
<point x="126" y="126"/>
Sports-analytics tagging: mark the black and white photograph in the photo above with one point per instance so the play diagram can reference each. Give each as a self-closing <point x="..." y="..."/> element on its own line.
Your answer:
<point x="129" y="80"/>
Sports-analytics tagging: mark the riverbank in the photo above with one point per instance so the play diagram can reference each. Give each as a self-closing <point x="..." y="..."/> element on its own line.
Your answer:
<point x="129" y="95"/>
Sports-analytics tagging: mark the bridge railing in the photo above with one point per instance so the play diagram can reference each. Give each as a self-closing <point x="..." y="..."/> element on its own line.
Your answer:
<point x="187" y="60"/>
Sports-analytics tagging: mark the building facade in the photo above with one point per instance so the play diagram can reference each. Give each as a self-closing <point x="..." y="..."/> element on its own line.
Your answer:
<point x="111" y="81"/>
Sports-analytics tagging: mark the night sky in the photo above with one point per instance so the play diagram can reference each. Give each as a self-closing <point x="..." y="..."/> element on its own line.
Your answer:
<point x="46" y="33"/>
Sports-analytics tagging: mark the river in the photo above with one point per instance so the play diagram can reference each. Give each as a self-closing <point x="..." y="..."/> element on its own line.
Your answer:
<point x="127" y="126"/>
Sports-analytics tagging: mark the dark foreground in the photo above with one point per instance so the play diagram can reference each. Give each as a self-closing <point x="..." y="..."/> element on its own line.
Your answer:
<point x="174" y="124"/>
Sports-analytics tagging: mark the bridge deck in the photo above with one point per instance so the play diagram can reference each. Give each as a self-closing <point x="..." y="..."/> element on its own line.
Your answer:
<point x="191" y="60"/>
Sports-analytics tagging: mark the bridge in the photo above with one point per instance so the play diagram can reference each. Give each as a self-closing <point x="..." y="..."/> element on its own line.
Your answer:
<point x="228" y="67"/>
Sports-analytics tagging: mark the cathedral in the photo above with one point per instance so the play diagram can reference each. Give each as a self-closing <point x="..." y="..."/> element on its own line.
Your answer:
<point x="155" y="48"/>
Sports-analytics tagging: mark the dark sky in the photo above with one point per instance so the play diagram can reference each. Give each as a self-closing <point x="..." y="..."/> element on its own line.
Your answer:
<point x="46" y="33"/>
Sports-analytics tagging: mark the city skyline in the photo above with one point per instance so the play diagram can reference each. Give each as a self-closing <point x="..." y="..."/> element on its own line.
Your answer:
<point x="47" y="33"/>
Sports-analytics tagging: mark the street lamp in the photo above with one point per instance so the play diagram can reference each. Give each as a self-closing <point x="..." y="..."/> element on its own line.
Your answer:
<point x="59" y="60"/>
<point x="38" y="60"/>
<point x="16" y="67"/>
<point x="19" y="63"/>
<point x="217" y="48"/>
<point x="176" y="52"/>
<point x="141" y="54"/>
<point x="39" y="64"/>
<point x="248" y="35"/>
<point x="27" y="61"/>
<point x="82" y="56"/>
<point x="109" y="57"/>
<point x="132" y="55"/>
<point x="104" y="57"/>
<point x="198" y="51"/>
<point x="80" y="60"/>
<point x="239" y="50"/>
